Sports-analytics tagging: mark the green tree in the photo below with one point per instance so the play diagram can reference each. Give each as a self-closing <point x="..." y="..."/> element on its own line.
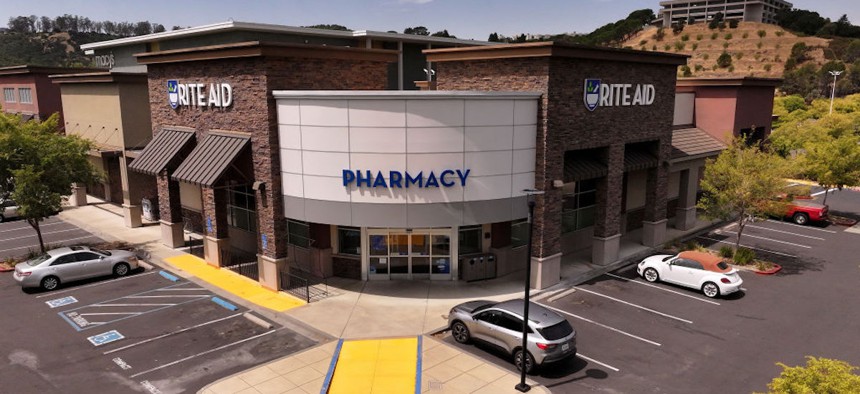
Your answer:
<point x="833" y="162"/>
<point x="819" y="376"/>
<point x="740" y="184"/>
<point x="39" y="165"/>
<point x="725" y="60"/>
<point x="417" y="30"/>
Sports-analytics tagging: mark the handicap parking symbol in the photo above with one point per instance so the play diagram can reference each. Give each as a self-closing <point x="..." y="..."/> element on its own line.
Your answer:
<point x="106" y="337"/>
<point x="61" y="302"/>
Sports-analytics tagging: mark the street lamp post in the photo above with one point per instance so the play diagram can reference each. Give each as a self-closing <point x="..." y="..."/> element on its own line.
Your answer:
<point x="833" y="92"/>
<point x="522" y="385"/>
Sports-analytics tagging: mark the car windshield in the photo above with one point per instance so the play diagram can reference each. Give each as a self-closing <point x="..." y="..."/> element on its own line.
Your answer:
<point x="38" y="260"/>
<point x="722" y="265"/>
<point x="556" y="331"/>
<point x="99" y="251"/>
<point x="667" y="258"/>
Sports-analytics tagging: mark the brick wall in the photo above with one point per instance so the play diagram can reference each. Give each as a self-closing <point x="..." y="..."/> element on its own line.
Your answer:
<point x="254" y="111"/>
<point x="565" y="124"/>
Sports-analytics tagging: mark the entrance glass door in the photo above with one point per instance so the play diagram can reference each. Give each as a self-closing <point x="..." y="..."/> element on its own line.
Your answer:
<point x="398" y="254"/>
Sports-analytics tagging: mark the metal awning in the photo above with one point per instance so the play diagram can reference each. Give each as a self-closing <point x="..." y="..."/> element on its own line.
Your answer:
<point x="694" y="143"/>
<point x="161" y="151"/>
<point x="583" y="168"/>
<point x="635" y="160"/>
<point x="211" y="158"/>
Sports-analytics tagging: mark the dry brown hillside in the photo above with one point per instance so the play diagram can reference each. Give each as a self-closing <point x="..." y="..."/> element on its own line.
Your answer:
<point x="751" y="55"/>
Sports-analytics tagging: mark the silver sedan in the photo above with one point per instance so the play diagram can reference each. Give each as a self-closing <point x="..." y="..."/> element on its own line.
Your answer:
<point x="550" y="337"/>
<point x="73" y="263"/>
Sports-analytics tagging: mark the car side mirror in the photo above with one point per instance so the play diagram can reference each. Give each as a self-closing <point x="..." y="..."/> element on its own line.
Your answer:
<point x="101" y="257"/>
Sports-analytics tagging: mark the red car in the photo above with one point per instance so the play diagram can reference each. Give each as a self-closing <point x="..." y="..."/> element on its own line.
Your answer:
<point x="803" y="211"/>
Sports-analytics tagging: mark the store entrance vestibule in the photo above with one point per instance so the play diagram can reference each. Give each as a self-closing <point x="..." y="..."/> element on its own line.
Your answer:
<point x="409" y="254"/>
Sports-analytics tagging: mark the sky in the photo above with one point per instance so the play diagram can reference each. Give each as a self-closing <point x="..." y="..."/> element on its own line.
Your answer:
<point x="470" y="19"/>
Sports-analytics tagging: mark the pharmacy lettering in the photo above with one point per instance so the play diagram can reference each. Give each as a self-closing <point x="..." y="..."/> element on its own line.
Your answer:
<point x="397" y="179"/>
<point x="597" y="94"/>
<point x="219" y="95"/>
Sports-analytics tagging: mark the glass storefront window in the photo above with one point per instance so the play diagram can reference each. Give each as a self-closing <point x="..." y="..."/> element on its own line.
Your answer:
<point x="242" y="208"/>
<point x="470" y="239"/>
<point x="442" y="245"/>
<point x="349" y="240"/>
<point x="299" y="233"/>
<point x="579" y="205"/>
<point x="519" y="233"/>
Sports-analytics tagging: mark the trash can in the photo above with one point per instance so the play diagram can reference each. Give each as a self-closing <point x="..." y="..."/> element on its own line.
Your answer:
<point x="150" y="209"/>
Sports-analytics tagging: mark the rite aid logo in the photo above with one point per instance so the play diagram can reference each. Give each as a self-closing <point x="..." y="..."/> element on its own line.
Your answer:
<point x="597" y="94"/>
<point x="218" y="95"/>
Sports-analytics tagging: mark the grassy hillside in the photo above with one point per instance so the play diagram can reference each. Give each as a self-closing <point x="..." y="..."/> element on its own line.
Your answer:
<point x="47" y="49"/>
<point x="752" y="54"/>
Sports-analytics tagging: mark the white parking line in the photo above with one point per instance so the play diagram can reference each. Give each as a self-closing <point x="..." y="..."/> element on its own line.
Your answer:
<point x="636" y="306"/>
<point x="582" y="356"/>
<point x="601" y="325"/>
<point x="183" y="289"/>
<point x="172" y="296"/>
<point x="203" y="353"/>
<point x="747" y="246"/>
<point x="59" y="241"/>
<point x="563" y="294"/>
<point x="774" y="240"/>
<point x="823" y="191"/>
<point x="43" y="234"/>
<point x="171" y="333"/>
<point x="109" y="313"/>
<point x="41" y="225"/>
<point x="660" y="288"/>
<point x="100" y="305"/>
<point x="803" y="227"/>
<point x="785" y="232"/>
<point x="97" y="284"/>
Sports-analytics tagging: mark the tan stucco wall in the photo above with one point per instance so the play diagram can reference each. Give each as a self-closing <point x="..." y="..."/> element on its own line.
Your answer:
<point x="136" y="121"/>
<point x="92" y="111"/>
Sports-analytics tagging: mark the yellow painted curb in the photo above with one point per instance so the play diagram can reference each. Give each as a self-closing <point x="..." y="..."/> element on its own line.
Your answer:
<point x="376" y="366"/>
<point x="235" y="284"/>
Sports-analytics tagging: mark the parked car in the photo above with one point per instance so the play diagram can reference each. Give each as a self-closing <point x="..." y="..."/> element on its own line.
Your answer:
<point x="550" y="337"/>
<point x="8" y="210"/>
<point x="73" y="263"/>
<point x="802" y="211"/>
<point x="697" y="270"/>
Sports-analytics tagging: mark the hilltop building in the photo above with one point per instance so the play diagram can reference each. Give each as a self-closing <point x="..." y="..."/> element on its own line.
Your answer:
<point x="762" y="11"/>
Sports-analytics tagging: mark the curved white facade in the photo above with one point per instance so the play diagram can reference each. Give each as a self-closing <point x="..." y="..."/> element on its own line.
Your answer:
<point x="489" y="137"/>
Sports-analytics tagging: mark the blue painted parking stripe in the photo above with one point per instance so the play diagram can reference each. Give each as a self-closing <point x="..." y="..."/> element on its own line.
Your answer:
<point x="169" y="276"/>
<point x="225" y="304"/>
<point x="331" y="367"/>
<point x="418" y="367"/>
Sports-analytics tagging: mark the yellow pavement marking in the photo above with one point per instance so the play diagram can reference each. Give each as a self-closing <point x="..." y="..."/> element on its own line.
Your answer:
<point x="235" y="284"/>
<point x="376" y="366"/>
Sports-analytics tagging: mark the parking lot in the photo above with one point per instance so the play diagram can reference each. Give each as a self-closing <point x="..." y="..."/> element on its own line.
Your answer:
<point x="634" y="336"/>
<point x="17" y="237"/>
<point x="146" y="332"/>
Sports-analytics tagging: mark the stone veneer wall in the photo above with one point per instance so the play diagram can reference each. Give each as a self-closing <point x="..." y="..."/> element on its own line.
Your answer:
<point x="565" y="124"/>
<point x="253" y="111"/>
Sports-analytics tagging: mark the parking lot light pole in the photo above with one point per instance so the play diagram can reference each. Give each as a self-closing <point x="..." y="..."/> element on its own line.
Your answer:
<point x="522" y="385"/>
<point x="833" y="91"/>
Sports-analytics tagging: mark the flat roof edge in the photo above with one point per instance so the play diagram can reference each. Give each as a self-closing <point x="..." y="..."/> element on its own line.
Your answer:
<point x="553" y="49"/>
<point x="404" y="94"/>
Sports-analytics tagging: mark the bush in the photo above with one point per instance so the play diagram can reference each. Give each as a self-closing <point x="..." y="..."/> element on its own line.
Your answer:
<point x="731" y="69"/>
<point x="780" y="33"/>
<point x="714" y="36"/>
<point x="714" y="67"/>
<point x="699" y="37"/>
<point x="694" y="46"/>
<point x="758" y="45"/>
<point x="706" y="56"/>
<point x="725" y="45"/>
<point x="767" y="67"/>
<point x="728" y="36"/>
<point x="745" y="35"/>
<point x="685" y="37"/>
<point x="739" y="55"/>
<point x="733" y="23"/>
<point x="699" y="67"/>
<point x="659" y="34"/>
<point x="667" y="47"/>
<point x="820" y="375"/>
<point x="679" y="46"/>
<point x="654" y="47"/>
<point x="761" y="33"/>
<point x="643" y="42"/>
<point x="691" y="245"/>
<point x="686" y="72"/>
<point x="744" y="256"/>
<point x="727" y="251"/>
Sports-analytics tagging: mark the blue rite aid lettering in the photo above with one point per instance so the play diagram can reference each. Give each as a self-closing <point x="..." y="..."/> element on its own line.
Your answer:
<point x="400" y="180"/>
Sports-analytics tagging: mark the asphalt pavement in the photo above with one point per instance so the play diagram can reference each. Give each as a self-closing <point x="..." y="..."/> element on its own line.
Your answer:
<point x="17" y="237"/>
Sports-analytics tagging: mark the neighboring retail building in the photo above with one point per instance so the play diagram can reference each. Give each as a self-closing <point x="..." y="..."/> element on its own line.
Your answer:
<point x="308" y="160"/>
<point x="28" y="91"/>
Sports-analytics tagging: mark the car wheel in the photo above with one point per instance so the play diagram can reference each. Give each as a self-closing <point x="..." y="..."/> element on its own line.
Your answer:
<point x="460" y="332"/>
<point x="121" y="269"/>
<point x="710" y="289"/>
<point x="50" y="283"/>
<point x="800" y="218"/>
<point x="518" y="361"/>
<point x="651" y="275"/>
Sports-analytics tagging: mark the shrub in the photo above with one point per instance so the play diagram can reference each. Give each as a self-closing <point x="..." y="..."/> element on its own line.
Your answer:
<point x="745" y="35"/>
<point x="714" y="36"/>
<point x="758" y="45"/>
<point x="757" y="57"/>
<point x="733" y="23"/>
<point x="780" y="33"/>
<point x="659" y="34"/>
<point x="691" y="245"/>
<point x="643" y="42"/>
<point x="728" y="36"/>
<point x="777" y="58"/>
<point x="778" y="46"/>
<point x="725" y="45"/>
<point x="820" y="375"/>
<point x="767" y="67"/>
<point x="699" y="37"/>
<point x="727" y="251"/>
<point x="731" y="69"/>
<point x="744" y="256"/>
<point x="706" y="56"/>
<point x="714" y="67"/>
<point x="739" y="55"/>
<point x="667" y="47"/>
<point x="654" y="47"/>
<point x="686" y="72"/>
<point x="699" y="67"/>
<point x="679" y="46"/>
<point x="694" y="46"/>
<point x="763" y="265"/>
<point x="761" y="33"/>
<point x="685" y="37"/>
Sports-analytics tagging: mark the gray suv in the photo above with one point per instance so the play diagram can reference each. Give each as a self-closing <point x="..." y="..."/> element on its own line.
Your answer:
<point x="550" y="337"/>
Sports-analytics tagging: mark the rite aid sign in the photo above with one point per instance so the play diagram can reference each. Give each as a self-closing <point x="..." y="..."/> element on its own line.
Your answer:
<point x="218" y="95"/>
<point x="596" y="94"/>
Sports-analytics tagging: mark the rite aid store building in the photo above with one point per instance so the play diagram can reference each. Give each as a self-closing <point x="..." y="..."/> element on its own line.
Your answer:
<point x="300" y="157"/>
